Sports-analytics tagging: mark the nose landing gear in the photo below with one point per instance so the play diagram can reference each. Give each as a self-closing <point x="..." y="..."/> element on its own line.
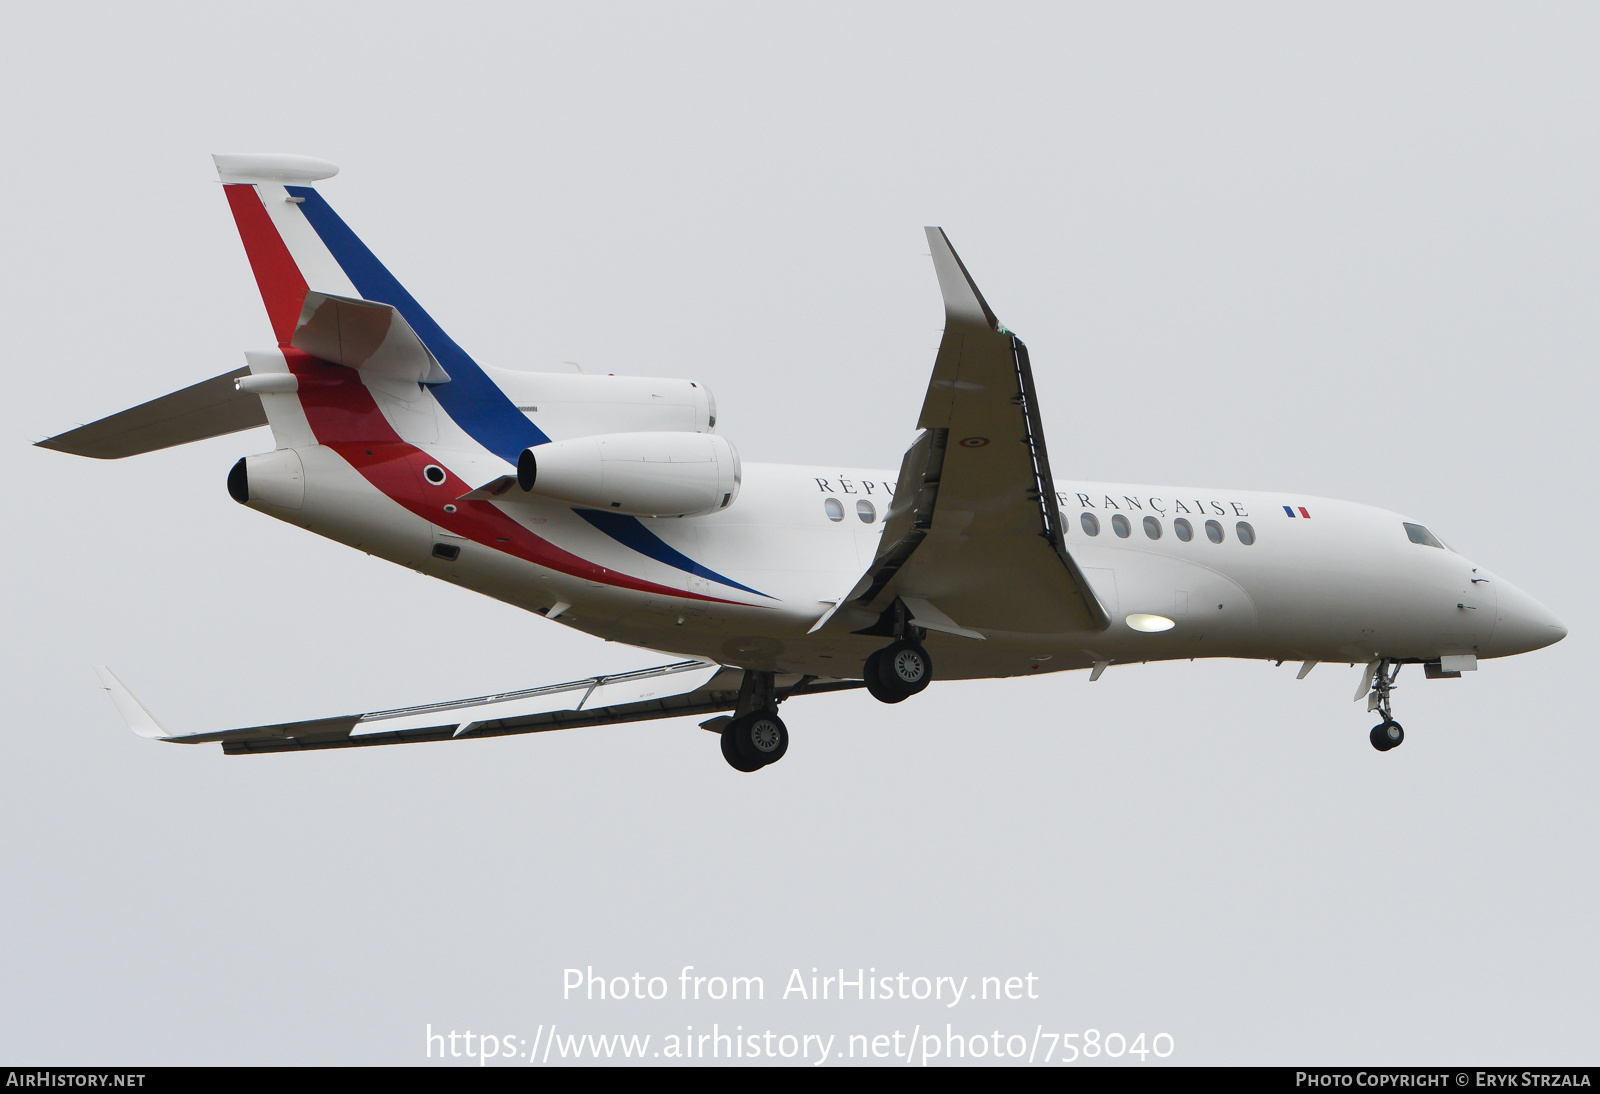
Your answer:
<point x="1386" y="736"/>
<point x="1388" y="733"/>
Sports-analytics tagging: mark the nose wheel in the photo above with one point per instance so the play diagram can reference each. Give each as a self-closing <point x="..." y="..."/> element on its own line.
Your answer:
<point x="1388" y="733"/>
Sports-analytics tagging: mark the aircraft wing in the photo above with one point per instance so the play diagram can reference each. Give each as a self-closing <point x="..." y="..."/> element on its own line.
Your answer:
<point x="682" y="689"/>
<point x="973" y="540"/>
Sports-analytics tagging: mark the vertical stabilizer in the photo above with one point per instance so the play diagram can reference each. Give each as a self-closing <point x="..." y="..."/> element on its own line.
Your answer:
<point x="328" y="298"/>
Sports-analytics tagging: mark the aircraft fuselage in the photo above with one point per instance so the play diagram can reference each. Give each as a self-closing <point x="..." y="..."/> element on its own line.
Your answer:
<point x="1280" y="575"/>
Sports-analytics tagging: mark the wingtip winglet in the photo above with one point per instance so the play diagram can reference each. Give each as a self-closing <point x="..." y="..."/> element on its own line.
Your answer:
<point x="140" y="720"/>
<point x="962" y="300"/>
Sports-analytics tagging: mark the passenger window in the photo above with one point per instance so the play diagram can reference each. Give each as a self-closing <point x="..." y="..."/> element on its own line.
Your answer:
<point x="1213" y="531"/>
<point x="834" y="510"/>
<point x="1152" y="527"/>
<point x="1091" y="524"/>
<point x="1183" y="529"/>
<point x="1421" y="535"/>
<point x="1120" y="525"/>
<point x="1247" y="534"/>
<point x="865" y="510"/>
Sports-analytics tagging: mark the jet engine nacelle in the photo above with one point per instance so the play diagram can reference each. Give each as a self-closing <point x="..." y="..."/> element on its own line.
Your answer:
<point x="644" y="474"/>
<point x="276" y="480"/>
<point x="567" y="406"/>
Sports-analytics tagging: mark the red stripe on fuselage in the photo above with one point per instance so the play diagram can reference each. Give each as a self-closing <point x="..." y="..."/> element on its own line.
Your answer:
<point x="283" y="287"/>
<point x="345" y="418"/>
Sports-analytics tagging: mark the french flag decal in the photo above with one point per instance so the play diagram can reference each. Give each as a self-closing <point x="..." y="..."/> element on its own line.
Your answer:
<point x="1302" y="512"/>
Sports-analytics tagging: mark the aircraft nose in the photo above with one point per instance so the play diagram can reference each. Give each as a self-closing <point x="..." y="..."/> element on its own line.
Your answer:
<point x="1524" y="624"/>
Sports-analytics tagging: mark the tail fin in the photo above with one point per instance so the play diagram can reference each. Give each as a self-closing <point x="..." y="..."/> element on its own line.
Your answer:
<point x="327" y="295"/>
<point x="284" y="254"/>
<point x="312" y="303"/>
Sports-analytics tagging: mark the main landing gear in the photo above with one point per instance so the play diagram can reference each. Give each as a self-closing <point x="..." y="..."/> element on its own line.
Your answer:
<point x="1388" y="733"/>
<point x="897" y="672"/>
<point x="756" y="736"/>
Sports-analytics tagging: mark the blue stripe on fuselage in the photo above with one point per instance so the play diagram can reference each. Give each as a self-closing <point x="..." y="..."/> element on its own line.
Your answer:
<point x="631" y="532"/>
<point x="472" y="400"/>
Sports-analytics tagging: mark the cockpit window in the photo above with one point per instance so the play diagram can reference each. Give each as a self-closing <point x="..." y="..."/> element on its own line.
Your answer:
<point x="1419" y="534"/>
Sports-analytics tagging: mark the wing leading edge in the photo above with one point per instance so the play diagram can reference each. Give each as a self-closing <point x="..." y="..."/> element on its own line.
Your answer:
<point x="974" y="528"/>
<point x="681" y="689"/>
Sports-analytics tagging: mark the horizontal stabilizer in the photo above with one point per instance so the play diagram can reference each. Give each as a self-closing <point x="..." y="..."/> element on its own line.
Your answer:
<point x="366" y="335"/>
<point x="208" y="409"/>
<point x="682" y="689"/>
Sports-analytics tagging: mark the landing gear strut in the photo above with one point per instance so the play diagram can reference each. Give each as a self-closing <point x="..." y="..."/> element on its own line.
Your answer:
<point x="756" y="736"/>
<point x="1388" y="733"/>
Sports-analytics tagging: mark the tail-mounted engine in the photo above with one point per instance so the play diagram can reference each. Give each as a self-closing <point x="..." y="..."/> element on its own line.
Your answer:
<point x="644" y="474"/>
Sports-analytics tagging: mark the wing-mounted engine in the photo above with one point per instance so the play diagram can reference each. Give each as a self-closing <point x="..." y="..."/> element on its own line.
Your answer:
<point x="642" y="474"/>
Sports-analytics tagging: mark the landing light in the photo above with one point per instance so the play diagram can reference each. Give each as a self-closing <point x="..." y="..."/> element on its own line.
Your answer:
<point x="1150" y="624"/>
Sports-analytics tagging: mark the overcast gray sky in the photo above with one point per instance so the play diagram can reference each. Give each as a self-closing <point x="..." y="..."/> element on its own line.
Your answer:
<point x="1345" y="250"/>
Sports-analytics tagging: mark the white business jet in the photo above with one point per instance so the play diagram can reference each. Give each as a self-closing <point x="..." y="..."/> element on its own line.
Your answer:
<point x="612" y="505"/>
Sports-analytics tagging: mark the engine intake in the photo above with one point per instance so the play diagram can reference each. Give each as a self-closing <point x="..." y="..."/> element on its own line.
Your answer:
<point x="642" y="474"/>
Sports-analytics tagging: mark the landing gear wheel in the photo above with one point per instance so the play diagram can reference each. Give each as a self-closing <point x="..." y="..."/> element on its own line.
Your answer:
<point x="1387" y="735"/>
<point x="730" y="752"/>
<point x="759" y="739"/>
<point x="906" y="668"/>
<point x="872" y="673"/>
